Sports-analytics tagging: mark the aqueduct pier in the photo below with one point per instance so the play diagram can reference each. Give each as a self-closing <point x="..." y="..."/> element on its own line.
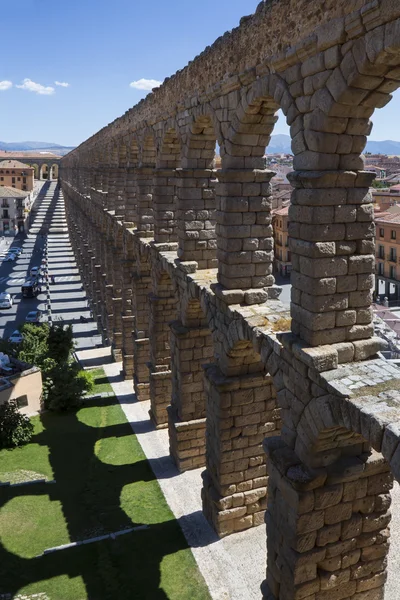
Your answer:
<point x="301" y="427"/>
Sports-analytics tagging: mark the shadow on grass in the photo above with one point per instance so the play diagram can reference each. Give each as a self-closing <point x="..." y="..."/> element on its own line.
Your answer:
<point x="93" y="498"/>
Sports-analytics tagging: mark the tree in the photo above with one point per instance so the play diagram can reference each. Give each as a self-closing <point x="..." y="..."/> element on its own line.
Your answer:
<point x="15" y="428"/>
<point x="64" y="387"/>
<point x="60" y="342"/>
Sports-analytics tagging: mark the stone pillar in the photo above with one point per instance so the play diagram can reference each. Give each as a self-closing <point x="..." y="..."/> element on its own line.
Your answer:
<point x="164" y="206"/>
<point x="162" y="311"/>
<point x="241" y="411"/>
<point x="196" y="217"/>
<point x="327" y="528"/>
<point x="191" y="348"/>
<point x="113" y="175"/>
<point x="141" y="282"/>
<point x="121" y="175"/>
<point x="130" y="210"/>
<point x="244" y="235"/>
<point x="332" y="241"/>
<point x="144" y="218"/>
<point x="127" y="317"/>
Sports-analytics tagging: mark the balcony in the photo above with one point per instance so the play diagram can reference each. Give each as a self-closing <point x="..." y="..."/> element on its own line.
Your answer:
<point x="381" y="256"/>
<point x="392" y="259"/>
<point x="5" y="205"/>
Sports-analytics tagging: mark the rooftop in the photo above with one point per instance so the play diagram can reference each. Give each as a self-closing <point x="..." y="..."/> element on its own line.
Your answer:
<point x="29" y="154"/>
<point x="14" y="164"/>
<point x="10" y="192"/>
<point x="281" y="212"/>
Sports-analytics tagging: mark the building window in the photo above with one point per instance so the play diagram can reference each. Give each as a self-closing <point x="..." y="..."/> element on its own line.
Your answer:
<point x="18" y="178"/>
<point x="381" y="253"/>
<point x="22" y="401"/>
<point x="392" y="273"/>
<point x="393" y="234"/>
<point x="24" y="187"/>
<point x="392" y="255"/>
<point x="381" y="270"/>
<point x="1" y="178"/>
<point x="382" y="232"/>
<point x="13" y="180"/>
<point x="24" y="179"/>
<point x="5" y="214"/>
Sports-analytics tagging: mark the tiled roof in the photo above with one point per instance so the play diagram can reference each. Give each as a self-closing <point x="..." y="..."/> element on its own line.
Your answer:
<point x="386" y="217"/>
<point x="281" y="212"/>
<point x="13" y="164"/>
<point x="10" y="192"/>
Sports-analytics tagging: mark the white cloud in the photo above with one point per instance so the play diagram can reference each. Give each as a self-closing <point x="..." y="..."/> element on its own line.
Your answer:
<point x="5" y="85"/>
<point x="62" y="83"/>
<point x="145" y="84"/>
<point x="38" y="88"/>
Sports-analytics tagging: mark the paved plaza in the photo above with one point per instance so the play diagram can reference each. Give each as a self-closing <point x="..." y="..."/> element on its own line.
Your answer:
<point x="65" y="299"/>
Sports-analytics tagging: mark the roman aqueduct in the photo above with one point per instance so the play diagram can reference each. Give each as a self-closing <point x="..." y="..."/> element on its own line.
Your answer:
<point x="177" y="259"/>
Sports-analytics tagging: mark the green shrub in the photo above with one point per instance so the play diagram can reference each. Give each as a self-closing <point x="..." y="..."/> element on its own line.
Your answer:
<point x="64" y="387"/>
<point x="15" y="428"/>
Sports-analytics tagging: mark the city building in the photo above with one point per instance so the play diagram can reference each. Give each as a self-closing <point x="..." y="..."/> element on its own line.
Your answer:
<point x="384" y="198"/>
<point x="282" y="259"/>
<point x="16" y="174"/>
<point x="21" y="382"/>
<point x="15" y="207"/>
<point x="388" y="253"/>
<point x="44" y="164"/>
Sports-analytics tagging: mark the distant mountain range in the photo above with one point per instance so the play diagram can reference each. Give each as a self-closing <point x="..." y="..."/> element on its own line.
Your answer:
<point x="281" y="144"/>
<point x="35" y="146"/>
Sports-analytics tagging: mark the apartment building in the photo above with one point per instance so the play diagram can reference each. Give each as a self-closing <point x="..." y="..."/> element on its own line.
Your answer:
<point x="388" y="253"/>
<point x="282" y="258"/>
<point x="16" y="174"/>
<point x="15" y="207"/>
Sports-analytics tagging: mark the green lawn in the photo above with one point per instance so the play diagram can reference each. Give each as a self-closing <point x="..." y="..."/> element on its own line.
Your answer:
<point x="101" y="383"/>
<point x="103" y="484"/>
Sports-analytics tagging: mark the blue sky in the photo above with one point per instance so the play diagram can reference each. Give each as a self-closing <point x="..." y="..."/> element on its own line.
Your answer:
<point x="98" y="48"/>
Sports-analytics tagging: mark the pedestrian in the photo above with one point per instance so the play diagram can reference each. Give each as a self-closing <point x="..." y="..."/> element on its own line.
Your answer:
<point x="53" y="279"/>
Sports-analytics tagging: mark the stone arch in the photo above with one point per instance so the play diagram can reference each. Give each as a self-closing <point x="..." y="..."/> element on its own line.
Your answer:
<point x="123" y="150"/>
<point x="148" y="148"/>
<point x="337" y="489"/>
<point x="199" y="138"/>
<point x="36" y="170"/>
<point x="330" y="424"/>
<point x="196" y="189"/>
<point x="44" y="171"/>
<point x="169" y="146"/>
<point x="54" y="171"/>
<point x="133" y="149"/>
<point x="253" y="121"/>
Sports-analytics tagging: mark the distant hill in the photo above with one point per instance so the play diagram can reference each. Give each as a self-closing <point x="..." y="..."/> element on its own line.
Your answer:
<point x="39" y="146"/>
<point x="281" y="144"/>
